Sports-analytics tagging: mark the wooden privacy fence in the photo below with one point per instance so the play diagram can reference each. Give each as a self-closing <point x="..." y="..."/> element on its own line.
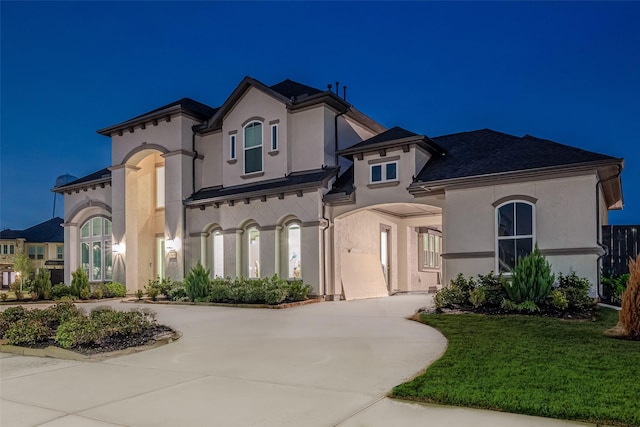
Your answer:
<point x="623" y="242"/>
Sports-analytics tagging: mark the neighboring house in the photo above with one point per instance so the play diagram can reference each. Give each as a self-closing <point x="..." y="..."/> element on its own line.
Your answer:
<point x="291" y="180"/>
<point x="44" y="243"/>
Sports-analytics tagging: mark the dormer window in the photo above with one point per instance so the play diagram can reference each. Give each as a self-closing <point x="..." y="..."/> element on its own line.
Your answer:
<point x="253" y="147"/>
<point x="384" y="172"/>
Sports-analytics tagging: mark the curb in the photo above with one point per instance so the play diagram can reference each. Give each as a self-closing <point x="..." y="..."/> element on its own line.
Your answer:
<point x="221" y="304"/>
<point x="61" y="353"/>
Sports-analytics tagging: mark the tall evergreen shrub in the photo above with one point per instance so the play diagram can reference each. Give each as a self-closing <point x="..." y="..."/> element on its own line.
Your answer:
<point x="532" y="279"/>
<point x="197" y="283"/>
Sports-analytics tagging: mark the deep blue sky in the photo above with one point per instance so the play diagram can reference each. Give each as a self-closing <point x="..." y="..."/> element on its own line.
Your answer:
<point x="569" y="72"/>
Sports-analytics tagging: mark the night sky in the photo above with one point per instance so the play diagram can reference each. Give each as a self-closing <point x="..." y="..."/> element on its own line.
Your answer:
<point x="568" y="72"/>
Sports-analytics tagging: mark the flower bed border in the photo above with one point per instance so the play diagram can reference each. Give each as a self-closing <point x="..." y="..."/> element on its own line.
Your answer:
<point x="222" y="304"/>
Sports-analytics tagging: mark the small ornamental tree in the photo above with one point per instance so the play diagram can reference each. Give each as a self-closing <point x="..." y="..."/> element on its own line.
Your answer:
<point x="42" y="284"/>
<point x="532" y="280"/>
<point x="197" y="283"/>
<point x="22" y="264"/>
<point x="630" y="311"/>
<point x="80" y="283"/>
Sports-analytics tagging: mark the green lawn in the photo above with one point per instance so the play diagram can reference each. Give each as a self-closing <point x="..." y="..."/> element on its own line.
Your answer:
<point x="533" y="365"/>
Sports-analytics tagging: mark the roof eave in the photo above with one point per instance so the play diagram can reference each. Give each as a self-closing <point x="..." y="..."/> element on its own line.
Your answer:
<point x="151" y="117"/>
<point x="421" y="188"/>
<point x="82" y="186"/>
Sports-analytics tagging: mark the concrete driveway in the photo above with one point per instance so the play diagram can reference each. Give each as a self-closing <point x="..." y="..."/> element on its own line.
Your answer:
<point x="328" y="364"/>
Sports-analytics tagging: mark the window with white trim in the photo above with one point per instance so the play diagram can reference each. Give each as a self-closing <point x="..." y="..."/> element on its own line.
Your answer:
<point x="294" y="246"/>
<point x="384" y="172"/>
<point x="515" y="231"/>
<point x="274" y="137"/>
<point x="232" y="147"/>
<point x="218" y="254"/>
<point x="429" y="249"/>
<point x="36" y="252"/>
<point x="160" y="187"/>
<point x="253" y="147"/>
<point x="253" y="255"/>
<point x="59" y="252"/>
<point x="95" y="249"/>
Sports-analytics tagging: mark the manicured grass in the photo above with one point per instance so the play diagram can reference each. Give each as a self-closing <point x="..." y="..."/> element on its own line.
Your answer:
<point x="533" y="365"/>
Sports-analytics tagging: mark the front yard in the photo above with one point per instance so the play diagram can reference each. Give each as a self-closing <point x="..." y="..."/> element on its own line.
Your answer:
<point x="533" y="365"/>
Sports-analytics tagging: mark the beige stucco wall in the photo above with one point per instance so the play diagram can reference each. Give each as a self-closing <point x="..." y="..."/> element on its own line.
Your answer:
<point x="209" y="169"/>
<point x="565" y="219"/>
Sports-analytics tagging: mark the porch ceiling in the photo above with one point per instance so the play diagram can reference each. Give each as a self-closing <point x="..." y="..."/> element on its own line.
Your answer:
<point x="408" y="210"/>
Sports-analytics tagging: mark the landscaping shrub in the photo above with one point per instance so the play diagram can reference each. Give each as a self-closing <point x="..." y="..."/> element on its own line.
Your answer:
<point x="4" y="296"/>
<point x="10" y="316"/>
<point x="297" y="290"/>
<point x="27" y="331"/>
<point x="559" y="300"/>
<point x="60" y="290"/>
<point x="97" y="293"/>
<point x="80" y="284"/>
<point x="531" y="281"/>
<point x="576" y="291"/>
<point x="42" y="284"/>
<point x="113" y="290"/>
<point x="613" y="287"/>
<point x="153" y="289"/>
<point x="197" y="283"/>
<point x="630" y="310"/>
<point x="449" y="297"/>
<point x="77" y="331"/>
<point x="478" y="296"/>
<point x="178" y="292"/>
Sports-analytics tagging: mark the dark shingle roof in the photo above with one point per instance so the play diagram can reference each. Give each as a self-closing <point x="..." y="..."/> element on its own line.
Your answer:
<point x="392" y="134"/>
<point x="394" y="137"/>
<point x="288" y="88"/>
<point x="102" y="174"/>
<point x="187" y="104"/>
<point x="293" y="182"/>
<point x="485" y="151"/>
<point x="48" y="231"/>
<point x="344" y="183"/>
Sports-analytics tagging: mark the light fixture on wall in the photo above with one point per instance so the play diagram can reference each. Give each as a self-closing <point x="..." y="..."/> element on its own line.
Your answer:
<point x="117" y="248"/>
<point x="170" y="245"/>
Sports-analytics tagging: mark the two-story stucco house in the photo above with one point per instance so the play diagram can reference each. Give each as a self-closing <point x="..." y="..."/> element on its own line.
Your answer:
<point x="291" y="180"/>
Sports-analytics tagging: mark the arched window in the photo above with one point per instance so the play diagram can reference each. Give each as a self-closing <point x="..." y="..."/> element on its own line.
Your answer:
<point x="515" y="233"/>
<point x="294" y="246"/>
<point x="253" y="147"/>
<point x="218" y="254"/>
<point x="95" y="249"/>
<point x="253" y="252"/>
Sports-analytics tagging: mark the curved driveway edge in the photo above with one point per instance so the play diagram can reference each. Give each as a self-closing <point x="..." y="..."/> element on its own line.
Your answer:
<point x="322" y="364"/>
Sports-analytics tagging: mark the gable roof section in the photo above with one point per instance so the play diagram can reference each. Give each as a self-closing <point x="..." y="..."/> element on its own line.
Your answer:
<point x="295" y="96"/>
<point x="48" y="231"/>
<point x="288" y="184"/>
<point x="487" y="152"/>
<point x="392" y="138"/>
<point x="98" y="178"/>
<point x="186" y="106"/>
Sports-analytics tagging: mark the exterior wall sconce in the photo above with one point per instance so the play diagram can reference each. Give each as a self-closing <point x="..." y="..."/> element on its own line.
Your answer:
<point x="117" y="248"/>
<point x="170" y="245"/>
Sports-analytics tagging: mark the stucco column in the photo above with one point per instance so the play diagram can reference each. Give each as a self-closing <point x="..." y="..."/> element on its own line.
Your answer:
<point x="124" y="220"/>
<point x="204" y="252"/>
<point x="268" y="249"/>
<point x="71" y="256"/>
<point x="238" y="248"/>
<point x="177" y="187"/>
<point x="312" y="257"/>
<point x="277" y="260"/>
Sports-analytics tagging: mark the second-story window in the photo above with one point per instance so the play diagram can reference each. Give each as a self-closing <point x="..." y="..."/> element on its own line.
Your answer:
<point x="232" y="147"/>
<point x="160" y="187"/>
<point x="274" y="137"/>
<point x="253" y="147"/>
<point x="383" y="172"/>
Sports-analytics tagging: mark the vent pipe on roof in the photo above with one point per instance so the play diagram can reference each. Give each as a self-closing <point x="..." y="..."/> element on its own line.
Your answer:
<point x="338" y="88"/>
<point x="329" y="87"/>
<point x="344" y="93"/>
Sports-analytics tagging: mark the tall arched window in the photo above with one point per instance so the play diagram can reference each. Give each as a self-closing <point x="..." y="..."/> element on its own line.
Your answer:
<point x="294" y="246"/>
<point x="253" y="147"/>
<point x="253" y="251"/>
<point x="218" y="254"/>
<point x="95" y="249"/>
<point x="515" y="233"/>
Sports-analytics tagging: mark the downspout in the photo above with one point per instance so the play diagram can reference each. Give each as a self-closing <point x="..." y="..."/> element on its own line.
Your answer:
<point x="194" y="130"/>
<point x="598" y="231"/>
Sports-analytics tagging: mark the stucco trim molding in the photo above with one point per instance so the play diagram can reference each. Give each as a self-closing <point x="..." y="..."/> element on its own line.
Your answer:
<point x="89" y="204"/>
<point x="466" y="255"/>
<point x="384" y="184"/>
<point x="182" y="152"/>
<point x="231" y="231"/>
<point x="252" y="175"/>
<point x="384" y="160"/>
<point x="253" y="119"/>
<point x="514" y="197"/>
<point x="595" y="250"/>
<point x="144" y="146"/>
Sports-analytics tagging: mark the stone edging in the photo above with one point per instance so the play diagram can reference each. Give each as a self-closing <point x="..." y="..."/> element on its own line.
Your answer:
<point x="61" y="353"/>
<point x="220" y="304"/>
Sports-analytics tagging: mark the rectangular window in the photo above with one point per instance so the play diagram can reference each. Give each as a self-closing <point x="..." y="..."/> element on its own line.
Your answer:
<point x="160" y="187"/>
<point x="384" y="172"/>
<point x="253" y="148"/>
<point x="429" y="243"/>
<point x="84" y="257"/>
<point x="11" y="249"/>
<point x="108" y="261"/>
<point x="60" y="252"/>
<point x="5" y="249"/>
<point x="97" y="261"/>
<point x="32" y="252"/>
<point x="232" y="147"/>
<point x="218" y="255"/>
<point x="39" y="252"/>
<point x="96" y="226"/>
<point x="274" y="137"/>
